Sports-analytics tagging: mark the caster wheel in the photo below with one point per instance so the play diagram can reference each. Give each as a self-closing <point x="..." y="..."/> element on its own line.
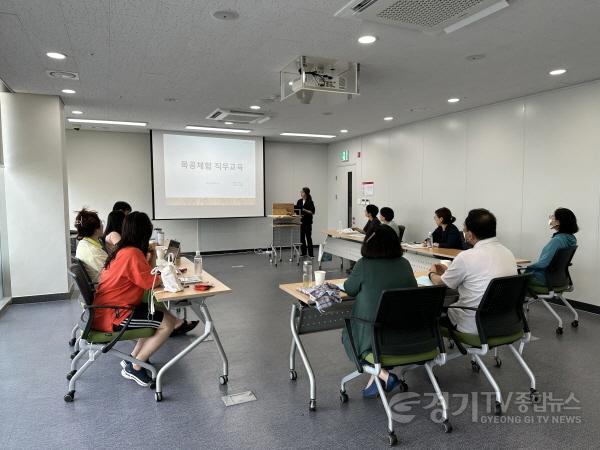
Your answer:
<point x="447" y="426"/>
<point x="312" y="405"/>
<point x="451" y="344"/>
<point x="534" y="395"/>
<point x="498" y="409"/>
<point x="559" y="330"/>
<point x="152" y="385"/>
<point x="69" y="396"/>
<point x="392" y="439"/>
<point x="575" y="323"/>
<point x="293" y="375"/>
<point x="343" y="397"/>
<point x="475" y="367"/>
<point x="74" y="354"/>
<point x="72" y="342"/>
<point x="223" y="379"/>
<point x="70" y="374"/>
<point x="498" y="361"/>
<point x="403" y="386"/>
<point x="158" y="396"/>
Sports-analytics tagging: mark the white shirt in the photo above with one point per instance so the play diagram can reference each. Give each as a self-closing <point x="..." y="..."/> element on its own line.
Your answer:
<point x="470" y="273"/>
<point x="92" y="255"/>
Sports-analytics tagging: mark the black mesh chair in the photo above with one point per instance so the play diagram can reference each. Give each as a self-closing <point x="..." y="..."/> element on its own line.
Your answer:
<point x="558" y="281"/>
<point x="500" y="322"/>
<point x="401" y="230"/>
<point x="74" y="340"/>
<point x="406" y="333"/>
<point x="95" y="343"/>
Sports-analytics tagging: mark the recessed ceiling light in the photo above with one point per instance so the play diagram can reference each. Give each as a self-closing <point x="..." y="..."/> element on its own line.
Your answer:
<point x="343" y="131"/>
<point x="367" y="39"/>
<point x="255" y="107"/>
<point x="453" y="100"/>
<point x="228" y="123"/>
<point x="77" y="112"/>
<point x="108" y="122"/>
<point x="388" y="118"/>
<point x="324" y="136"/>
<point x="226" y="15"/>
<point x="56" y="55"/>
<point x="218" y="130"/>
<point x="556" y="72"/>
<point x="68" y="91"/>
<point x="291" y="83"/>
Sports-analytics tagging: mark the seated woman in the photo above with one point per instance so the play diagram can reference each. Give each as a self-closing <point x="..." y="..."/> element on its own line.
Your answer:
<point x="123" y="283"/>
<point x="89" y="249"/>
<point x="382" y="267"/>
<point x="112" y="232"/>
<point x="564" y="223"/>
<point x="446" y="235"/>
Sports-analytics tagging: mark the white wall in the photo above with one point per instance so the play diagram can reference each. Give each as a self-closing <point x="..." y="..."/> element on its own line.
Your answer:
<point x="105" y="166"/>
<point x="35" y="189"/>
<point x="521" y="159"/>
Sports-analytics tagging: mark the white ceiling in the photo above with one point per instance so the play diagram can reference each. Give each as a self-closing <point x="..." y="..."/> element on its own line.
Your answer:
<point x="132" y="54"/>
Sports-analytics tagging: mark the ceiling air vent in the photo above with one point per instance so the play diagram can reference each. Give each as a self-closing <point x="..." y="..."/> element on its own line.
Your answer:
<point x="231" y="115"/>
<point x="424" y="15"/>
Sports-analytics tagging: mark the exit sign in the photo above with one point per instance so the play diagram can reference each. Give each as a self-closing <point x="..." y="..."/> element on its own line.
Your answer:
<point x="345" y="155"/>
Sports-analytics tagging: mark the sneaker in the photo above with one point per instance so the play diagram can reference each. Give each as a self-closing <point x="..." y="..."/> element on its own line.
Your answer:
<point x="392" y="383"/>
<point x="139" y="376"/>
<point x="124" y="363"/>
<point x="371" y="391"/>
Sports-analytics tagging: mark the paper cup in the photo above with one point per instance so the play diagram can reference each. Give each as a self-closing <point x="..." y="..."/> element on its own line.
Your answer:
<point x="319" y="277"/>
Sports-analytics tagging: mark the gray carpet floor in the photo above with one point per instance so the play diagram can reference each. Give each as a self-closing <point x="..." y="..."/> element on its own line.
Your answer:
<point x="112" y="412"/>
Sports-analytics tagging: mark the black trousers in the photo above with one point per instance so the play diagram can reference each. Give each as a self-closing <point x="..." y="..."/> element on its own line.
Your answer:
<point x="306" y="239"/>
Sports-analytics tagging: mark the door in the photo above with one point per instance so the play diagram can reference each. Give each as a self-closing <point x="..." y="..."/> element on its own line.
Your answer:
<point x="345" y="196"/>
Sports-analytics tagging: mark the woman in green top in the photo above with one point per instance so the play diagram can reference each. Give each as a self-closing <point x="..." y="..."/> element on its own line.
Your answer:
<point x="382" y="267"/>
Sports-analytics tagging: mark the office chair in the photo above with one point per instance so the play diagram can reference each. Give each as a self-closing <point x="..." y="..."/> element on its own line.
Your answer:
<point x="405" y="333"/>
<point x="96" y="343"/>
<point x="500" y="322"/>
<point x="558" y="281"/>
<point x="74" y="340"/>
<point x="401" y="230"/>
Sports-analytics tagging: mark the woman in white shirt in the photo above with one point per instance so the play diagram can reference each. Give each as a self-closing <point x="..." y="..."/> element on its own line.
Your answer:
<point x="89" y="249"/>
<point x="112" y="233"/>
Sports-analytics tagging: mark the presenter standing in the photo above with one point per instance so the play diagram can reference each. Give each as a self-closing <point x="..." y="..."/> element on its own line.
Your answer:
<point x="307" y="210"/>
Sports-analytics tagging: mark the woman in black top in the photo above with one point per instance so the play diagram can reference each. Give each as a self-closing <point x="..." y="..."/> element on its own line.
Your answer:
<point x="307" y="210"/>
<point x="446" y="235"/>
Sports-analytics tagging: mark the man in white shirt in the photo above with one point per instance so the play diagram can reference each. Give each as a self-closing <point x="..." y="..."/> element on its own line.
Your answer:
<point x="472" y="270"/>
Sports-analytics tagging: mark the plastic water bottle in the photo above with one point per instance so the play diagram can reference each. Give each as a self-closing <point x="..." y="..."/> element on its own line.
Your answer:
<point x="429" y="240"/>
<point x="307" y="273"/>
<point x="198" y="263"/>
<point x="160" y="237"/>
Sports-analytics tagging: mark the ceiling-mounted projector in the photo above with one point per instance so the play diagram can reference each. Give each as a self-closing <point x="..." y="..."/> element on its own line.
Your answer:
<point x="308" y="79"/>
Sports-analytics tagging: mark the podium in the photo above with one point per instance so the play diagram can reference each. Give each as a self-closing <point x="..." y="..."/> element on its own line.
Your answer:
<point x="286" y="232"/>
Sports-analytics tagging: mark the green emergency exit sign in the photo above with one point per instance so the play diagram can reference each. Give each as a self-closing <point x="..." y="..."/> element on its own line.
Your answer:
<point x="345" y="155"/>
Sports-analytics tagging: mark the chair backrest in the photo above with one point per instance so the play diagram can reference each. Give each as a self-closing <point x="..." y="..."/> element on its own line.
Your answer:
<point x="408" y="321"/>
<point x="500" y="312"/>
<point x="557" y="272"/>
<point x="401" y="230"/>
<point x="83" y="281"/>
<point x="80" y="263"/>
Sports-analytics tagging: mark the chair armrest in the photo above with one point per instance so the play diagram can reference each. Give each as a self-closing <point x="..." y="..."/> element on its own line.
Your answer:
<point x="462" y="307"/>
<point x="351" y="339"/>
<point x="112" y="343"/>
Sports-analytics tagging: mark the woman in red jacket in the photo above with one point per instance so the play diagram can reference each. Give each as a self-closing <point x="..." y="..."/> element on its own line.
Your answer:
<point x="125" y="278"/>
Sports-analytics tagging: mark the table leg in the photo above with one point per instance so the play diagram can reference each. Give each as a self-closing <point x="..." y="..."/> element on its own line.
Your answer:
<point x="293" y="373"/>
<point x="202" y="310"/>
<point x="320" y="258"/>
<point x="307" y="366"/>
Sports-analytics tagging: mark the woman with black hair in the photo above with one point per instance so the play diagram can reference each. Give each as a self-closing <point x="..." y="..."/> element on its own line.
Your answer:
<point x="382" y="267"/>
<point x="125" y="280"/>
<point x="89" y="249"/>
<point x="112" y="232"/>
<point x="446" y="235"/>
<point x="307" y="210"/>
<point x="564" y="224"/>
